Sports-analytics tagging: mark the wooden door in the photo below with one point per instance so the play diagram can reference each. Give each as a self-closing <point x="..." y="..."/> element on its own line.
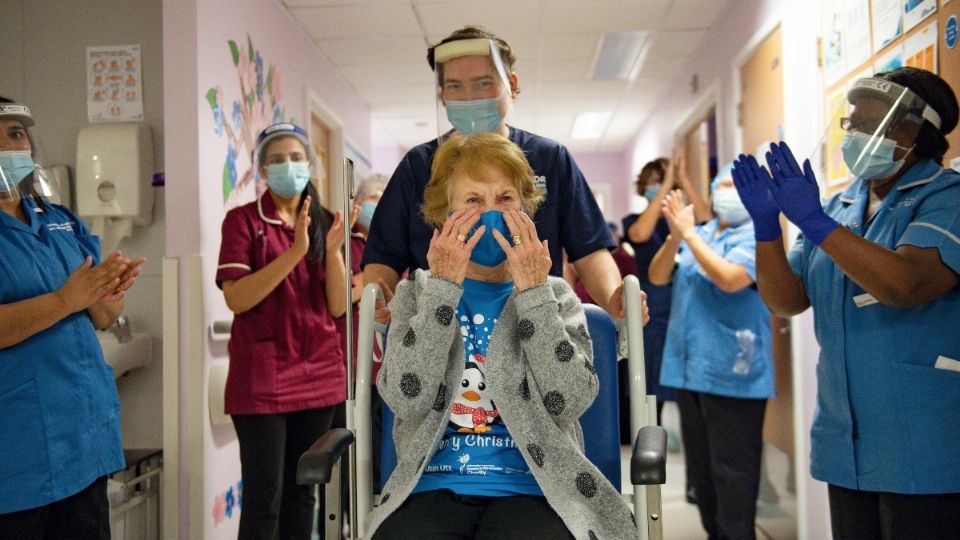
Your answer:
<point x="761" y="121"/>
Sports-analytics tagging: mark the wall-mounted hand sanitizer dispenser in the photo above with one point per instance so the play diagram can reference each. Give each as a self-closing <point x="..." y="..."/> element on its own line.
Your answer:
<point x="114" y="167"/>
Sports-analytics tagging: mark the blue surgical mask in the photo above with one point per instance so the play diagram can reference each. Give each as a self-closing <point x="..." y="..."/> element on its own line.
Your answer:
<point x="487" y="251"/>
<point x="15" y="165"/>
<point x="875" y="163"/>
<point x="365" y="217"/>
<point x="728" y="206"/>
<point x="651" y="190"/>
<point x="474" y="116"/>
<point x="288" y="179"/>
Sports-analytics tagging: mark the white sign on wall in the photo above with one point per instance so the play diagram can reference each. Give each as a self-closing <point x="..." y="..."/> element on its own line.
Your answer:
<point x="114" y="86"/>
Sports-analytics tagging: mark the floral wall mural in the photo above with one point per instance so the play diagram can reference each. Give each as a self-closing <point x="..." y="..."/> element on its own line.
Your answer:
<point x="227" y="503"/>
<point x="257" y="104"/>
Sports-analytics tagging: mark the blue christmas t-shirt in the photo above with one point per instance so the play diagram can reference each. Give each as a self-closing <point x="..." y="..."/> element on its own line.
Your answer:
<point x="477" y="455"/>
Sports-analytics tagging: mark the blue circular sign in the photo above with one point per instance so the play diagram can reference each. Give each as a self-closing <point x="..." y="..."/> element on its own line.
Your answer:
<point x="950" y="32"/>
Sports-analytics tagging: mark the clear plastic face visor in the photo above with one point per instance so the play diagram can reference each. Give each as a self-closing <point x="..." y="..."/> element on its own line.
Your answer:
<point x="265" y="155"/>
<point x="21" y="174"/>
<point x="875" y="128"/>
<point x="473" y="87"/>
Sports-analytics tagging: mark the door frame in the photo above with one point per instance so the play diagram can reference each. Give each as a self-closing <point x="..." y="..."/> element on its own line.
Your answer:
<point x="695" y="115"/>
<point x="317" y="106"/>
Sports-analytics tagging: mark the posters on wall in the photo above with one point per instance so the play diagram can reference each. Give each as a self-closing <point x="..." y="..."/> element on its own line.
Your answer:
<point x="915" y="11"/>
<point x="114" y="86"/>
<point x="891" y="60"/>
<point x="846" y="41"/>
<point x="920" y="49"/>
<point x="887" y="22"/>
<point x="836" y="108"/>
<point x="834" y="61"/>
<point x="856" y="16"/>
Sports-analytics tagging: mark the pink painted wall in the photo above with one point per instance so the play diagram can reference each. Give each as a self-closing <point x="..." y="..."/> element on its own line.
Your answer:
<point x="612" y="169"/>
<point x="197" y="58"/>
<point x="386" y="158"/>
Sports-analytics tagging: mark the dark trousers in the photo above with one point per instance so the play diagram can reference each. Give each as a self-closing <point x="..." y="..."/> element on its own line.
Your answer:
<point x="82" y="516"/>
<point x="274" y="506"/>
<point x="722" y="439"/>
<point x="442" y="514"/>
<point x="870" y="515"/>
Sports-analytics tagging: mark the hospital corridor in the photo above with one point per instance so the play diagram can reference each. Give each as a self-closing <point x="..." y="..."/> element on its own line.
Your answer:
<point x="479" y="269"/>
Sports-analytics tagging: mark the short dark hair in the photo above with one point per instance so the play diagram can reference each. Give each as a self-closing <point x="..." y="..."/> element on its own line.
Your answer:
<point x="931" y="143"/>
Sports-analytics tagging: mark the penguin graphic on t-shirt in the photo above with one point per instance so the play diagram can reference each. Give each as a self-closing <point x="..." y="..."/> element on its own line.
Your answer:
<point x="472" y="409"/>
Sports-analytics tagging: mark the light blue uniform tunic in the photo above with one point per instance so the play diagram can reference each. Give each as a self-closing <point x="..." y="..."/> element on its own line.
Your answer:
<point x="59" y="410"/>
<point x="718" y="342"/>
<point x="888" y="401"/>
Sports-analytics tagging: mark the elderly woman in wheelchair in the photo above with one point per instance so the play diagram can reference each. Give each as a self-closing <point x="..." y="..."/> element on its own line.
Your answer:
<point x="488" y="369"/>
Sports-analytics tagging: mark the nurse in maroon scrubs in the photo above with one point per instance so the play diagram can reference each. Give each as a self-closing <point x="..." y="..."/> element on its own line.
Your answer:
<point x="282" y="274"/>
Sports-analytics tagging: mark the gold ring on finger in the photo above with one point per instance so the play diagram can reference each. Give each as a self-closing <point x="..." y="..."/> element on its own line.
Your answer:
<point x="462" y="238"/>
<point x="517" y="240"/>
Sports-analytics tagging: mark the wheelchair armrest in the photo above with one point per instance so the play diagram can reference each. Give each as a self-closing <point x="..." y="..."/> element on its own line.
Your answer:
<point x="648" y="465"/>
<point x="316" y="464"/>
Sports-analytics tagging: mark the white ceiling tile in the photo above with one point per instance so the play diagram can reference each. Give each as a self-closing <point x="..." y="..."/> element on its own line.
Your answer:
<point x="673" y="43"/>
<point x="603" y="15"/>
<point x="560" y="46"/>
<point x="385" y="20"/>
<point x="387" y="73"/>
<point x="379" y="46"/>
<point x="506" y="18"/>
<point x="571" y="69"/>
<point x="347" y="3"/>
<point x="693" y="14"/>
<point x="374" y="50"/>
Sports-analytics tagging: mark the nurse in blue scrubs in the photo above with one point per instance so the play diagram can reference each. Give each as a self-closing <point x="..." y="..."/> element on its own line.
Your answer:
<point x="59" y="410"/>
<point x="717" y="355"/>
<point x="879" y="264"/>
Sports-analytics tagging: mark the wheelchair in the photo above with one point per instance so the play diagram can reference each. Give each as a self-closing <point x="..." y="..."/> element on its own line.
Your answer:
<point x="322" y="464"/>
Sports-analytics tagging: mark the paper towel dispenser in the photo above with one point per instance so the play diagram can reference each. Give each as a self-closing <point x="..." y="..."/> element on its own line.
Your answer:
<point x="114" y="168"/>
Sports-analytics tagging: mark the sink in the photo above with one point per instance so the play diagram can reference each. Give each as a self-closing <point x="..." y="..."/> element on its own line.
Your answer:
<point x="125" y="356"/>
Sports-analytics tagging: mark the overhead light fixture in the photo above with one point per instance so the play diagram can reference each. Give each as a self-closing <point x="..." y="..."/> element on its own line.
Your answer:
<point x="620" y="55"/>
<point x="590" y="125"/>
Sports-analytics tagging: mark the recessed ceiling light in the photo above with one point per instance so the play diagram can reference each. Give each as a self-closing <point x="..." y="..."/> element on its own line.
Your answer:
<point x="590" y="125"/>
<point x="620" y="55"/>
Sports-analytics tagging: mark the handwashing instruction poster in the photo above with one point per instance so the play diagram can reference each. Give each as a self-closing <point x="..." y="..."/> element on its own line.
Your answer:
<point x="114" y="86"/>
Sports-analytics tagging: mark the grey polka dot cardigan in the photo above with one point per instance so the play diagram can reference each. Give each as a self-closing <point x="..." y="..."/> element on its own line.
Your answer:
<point x="540" y="372"/>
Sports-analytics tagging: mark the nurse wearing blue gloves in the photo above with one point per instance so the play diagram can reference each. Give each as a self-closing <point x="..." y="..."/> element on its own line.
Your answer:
<point x="59" y="410"/>
<point x="717" y="355"/>
<point x="879" y="265"/>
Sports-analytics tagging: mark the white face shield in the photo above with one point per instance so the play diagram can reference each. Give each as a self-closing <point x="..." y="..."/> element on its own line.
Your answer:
<point x="21" y="174"/>
<point x="881" y="127"/>
<point x="473" y="87"/>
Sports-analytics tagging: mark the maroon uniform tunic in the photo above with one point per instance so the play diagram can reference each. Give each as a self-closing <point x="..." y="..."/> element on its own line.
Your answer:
<point x="285" y="353"/>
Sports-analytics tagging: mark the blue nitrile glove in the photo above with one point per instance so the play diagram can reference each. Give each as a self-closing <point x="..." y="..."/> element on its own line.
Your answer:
<point x="751" y="181"/>
<point x="797" y="194"/>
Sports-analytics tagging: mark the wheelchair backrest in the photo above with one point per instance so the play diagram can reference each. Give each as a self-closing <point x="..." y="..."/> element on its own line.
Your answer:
<point x="600" y="423"/>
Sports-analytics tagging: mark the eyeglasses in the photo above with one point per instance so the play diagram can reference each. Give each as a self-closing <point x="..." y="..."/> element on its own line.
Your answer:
<point x="849" y="123"/>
